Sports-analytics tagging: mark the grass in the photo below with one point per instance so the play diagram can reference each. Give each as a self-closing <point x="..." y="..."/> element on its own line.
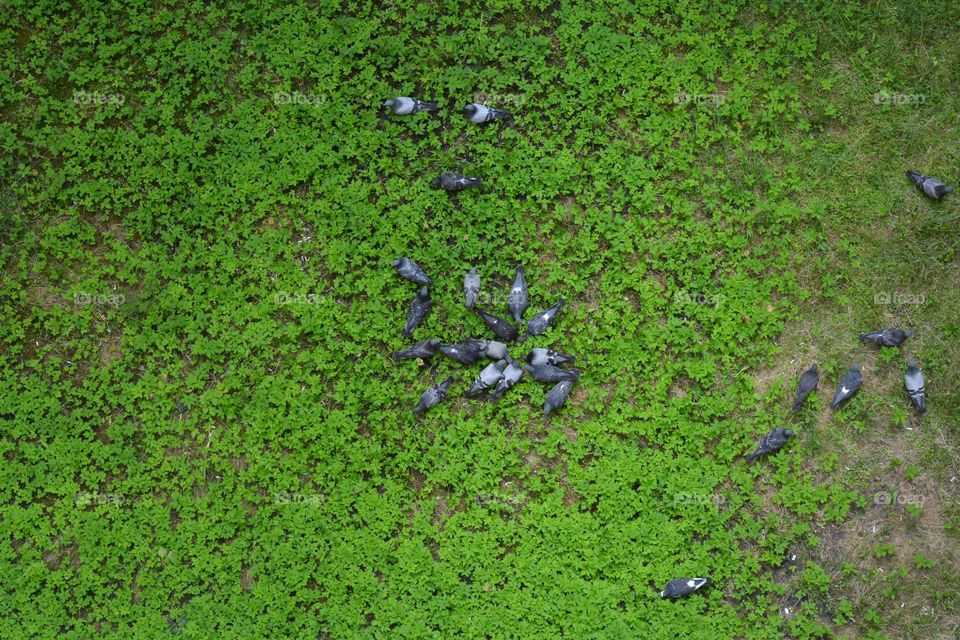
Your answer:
<point x="880" y="240"/>
<point x="712" y="188"/>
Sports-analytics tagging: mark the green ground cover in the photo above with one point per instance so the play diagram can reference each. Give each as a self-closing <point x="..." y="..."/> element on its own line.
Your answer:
<point x="203" y="433"/>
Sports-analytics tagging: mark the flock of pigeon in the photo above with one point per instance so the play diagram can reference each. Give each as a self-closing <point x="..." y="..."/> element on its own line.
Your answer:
<point x="849" y="385"/>
<point x="542" y="363"/>
<point x="474" y="112"/>
<point x="504" y="372"/>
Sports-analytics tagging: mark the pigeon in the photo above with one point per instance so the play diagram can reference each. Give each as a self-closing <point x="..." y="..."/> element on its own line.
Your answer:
<point x="489" y="376"/>
<point x="419" y="308"/>
<point x="771" y="442"/>
<point x="548" y="356"/>
<point x="805" y="386"/>
<point x="557" y="396"/>
<point x="503" y="328"/>
<point x="930" y="186"/>
<point x="519" y="298"/>
<point x="550" y="373"/>
<point x="423" y="350"/>
<point x="915" y="385"/>
<point x="403" y="106"/>
<point x="471" y="287"/>
<point x="181" y="409"/>
<point x="464" y="353"/>
<point x="493" y="349"/>
<point x="412" y="271"/>
<point x="433" y="396"/>
<point x="886" y="337"/>
<point x="849" y="385"/>
<point x="453" y="182"/>
<point x="682" y="587"/>
<point x="479" y="113"/>
<point x="511" y="375"/>
<point x="539" y="323"/>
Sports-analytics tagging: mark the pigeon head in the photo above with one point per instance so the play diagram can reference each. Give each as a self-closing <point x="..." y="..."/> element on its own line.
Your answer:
<point x="813" y="367"/>
<point x="787" y="432"/>
<point x="435" y="183"/>
<point x="855" y="365"/>
<point x="911" y="363"/>
<point x="389" y="103"/>
<point x="470" y="110"/>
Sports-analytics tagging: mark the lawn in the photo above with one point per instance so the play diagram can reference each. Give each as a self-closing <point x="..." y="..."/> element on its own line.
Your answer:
<point x="203" y="431"/>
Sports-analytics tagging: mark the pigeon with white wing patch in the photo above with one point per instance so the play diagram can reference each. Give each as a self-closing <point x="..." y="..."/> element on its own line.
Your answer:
<point x="683" y="586"/>
<point x="849" y="385"/>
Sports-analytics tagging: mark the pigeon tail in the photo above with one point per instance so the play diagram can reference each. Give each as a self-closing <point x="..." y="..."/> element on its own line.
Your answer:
<point x="797" y="404"/>
<point x="428" y="106"/>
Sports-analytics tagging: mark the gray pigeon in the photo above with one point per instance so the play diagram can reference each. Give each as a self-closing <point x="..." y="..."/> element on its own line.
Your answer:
<point x="479" y="113"/>
<point x="519" y="298"/>
<point x="805" y="386"/>
<point x="489" y="377"/>
<point x="471" y="287"/>
<point x="493" y="349"/>
<point x="930" y="186"/>
<point x="548" y="356"/>
<point x="453" y="182"/>
<point x="886" y="337"/>
<point x="511" y="375"/>
<point x="550" y="373"/>
<point x="682" y="587"/>
<point x="423" y="350"/>
<point x="433" y="396"/>
<point x="419" y="308"/>
<point x="539" y="323"/>
<point x="503" y="328"/>
<point x="849" y="385"/>
<point x="465" y="353"/>
<point x="412" y="271"/>
<point x="915" y="385"/>
<point x="557" y="396"/>
<point x="403" y="106"/>
<point x="771" y="442"/>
